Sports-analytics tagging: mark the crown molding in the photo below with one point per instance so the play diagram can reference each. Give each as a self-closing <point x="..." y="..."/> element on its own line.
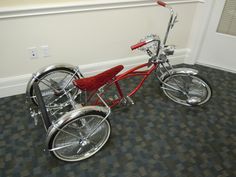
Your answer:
<point x="78" y="6"/>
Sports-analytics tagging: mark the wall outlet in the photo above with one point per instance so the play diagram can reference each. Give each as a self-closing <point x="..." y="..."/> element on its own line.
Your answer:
<point x="33" y="52"/>
<point x="45" y="51"/>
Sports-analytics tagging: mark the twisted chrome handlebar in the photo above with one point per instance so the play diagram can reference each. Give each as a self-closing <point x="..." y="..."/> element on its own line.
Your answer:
<point x="172" y="21"/>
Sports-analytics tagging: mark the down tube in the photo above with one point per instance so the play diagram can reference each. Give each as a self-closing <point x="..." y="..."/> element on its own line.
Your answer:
<point x="142" y="81"/>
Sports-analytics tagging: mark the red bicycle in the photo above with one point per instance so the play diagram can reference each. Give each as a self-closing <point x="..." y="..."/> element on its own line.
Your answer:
<point x="75" y="109"/>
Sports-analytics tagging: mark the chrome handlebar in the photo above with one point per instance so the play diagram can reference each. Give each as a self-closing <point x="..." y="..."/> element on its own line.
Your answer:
<point x="172" y="21"/>
<point x="152" y="44"/>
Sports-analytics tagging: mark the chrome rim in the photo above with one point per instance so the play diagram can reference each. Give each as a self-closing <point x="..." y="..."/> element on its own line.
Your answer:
<point x="53" y="88"/>
<point x="181" y="87"/>
<point x="70" y="142"/>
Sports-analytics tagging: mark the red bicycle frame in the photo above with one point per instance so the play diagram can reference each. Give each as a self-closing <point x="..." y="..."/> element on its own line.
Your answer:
<point x="130" y="73"/>
<point x="153" y="65"/>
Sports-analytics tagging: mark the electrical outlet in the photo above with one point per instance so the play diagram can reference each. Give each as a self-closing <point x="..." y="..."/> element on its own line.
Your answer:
<point x="45" y="51"/>
<point x="33" y="52"/>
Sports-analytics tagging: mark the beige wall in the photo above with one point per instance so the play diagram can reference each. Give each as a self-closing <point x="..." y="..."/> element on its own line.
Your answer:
<point x="85" y="37"/>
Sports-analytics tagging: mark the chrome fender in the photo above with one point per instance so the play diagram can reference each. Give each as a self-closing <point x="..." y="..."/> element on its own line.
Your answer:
<point x="43" y="70"/>
<point x="70" y="116"/>
<point x="179" y="71"/>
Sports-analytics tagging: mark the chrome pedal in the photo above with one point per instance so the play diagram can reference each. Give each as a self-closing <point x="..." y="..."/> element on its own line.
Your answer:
<point x="130" y="100"/>
<point x="124" y="103"/>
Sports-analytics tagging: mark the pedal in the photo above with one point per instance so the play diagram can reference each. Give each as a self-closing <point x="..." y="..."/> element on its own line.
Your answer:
<point x="124" y="103"/>
<point x="130" y="100"/>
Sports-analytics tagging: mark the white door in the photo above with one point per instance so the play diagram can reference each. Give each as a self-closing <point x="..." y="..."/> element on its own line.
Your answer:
<point x="219" y="45"/>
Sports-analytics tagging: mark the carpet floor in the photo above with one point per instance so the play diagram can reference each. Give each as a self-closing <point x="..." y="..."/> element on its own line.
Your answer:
<point x="154" y="138"/>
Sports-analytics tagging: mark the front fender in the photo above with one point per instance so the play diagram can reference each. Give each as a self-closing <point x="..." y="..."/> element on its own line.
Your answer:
<point x="179" y="71"/>
<point x="70" y="116"/>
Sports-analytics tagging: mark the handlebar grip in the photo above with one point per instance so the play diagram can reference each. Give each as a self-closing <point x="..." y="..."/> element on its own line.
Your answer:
<point x="140" y="44"/>
<point x="161" y="3"/>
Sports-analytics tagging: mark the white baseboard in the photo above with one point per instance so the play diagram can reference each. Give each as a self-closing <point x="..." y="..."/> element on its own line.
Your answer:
<point x="13" y="85"/>
<point x="17" y="84"/>
<point x="216" y="67"/>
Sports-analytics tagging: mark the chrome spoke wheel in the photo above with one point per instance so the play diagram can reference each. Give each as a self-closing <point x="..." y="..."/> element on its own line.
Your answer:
<point x="187" y="89"/>
<point x="72" y="143"/>
<point x="55" y="85"/>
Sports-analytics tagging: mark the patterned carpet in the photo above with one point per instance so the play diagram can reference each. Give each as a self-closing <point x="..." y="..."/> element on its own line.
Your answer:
<point x="154" y="138"/>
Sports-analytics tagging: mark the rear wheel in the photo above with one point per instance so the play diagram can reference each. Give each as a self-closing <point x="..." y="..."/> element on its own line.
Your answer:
<point x="187" y="89"/>
<point x="79" y="138"/>
<point x="53" y="85"/>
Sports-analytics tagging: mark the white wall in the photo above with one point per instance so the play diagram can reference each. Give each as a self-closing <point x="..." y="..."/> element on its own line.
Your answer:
<point x="82" y="38"/>
<point x="218" y="49"/>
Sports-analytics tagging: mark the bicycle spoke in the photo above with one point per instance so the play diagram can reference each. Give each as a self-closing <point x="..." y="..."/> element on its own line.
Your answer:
<point x="62" y="81"/>
<point x="174" y="88"/>
<point x="55" y="100"/>
<point x="64" y="146"/>
<point x="178" y="85"/>
<point x="85" y="125"/>
<point x="42" y="81"/>
<point x="186" y="82"/>
<point x="75" y="127"/>
<point x="69" y="80"/>
<point x="66" y="132"/>
<point x="171" y="89"/>
<point x="48" y="99"/>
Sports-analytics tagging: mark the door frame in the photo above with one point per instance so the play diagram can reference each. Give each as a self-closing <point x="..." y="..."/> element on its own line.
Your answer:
<point x="199" y="28"/>
<point x="198" y="33"/>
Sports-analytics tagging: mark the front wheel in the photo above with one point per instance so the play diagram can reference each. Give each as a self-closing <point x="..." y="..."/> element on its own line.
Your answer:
<point x="186" y="89"/>
<point x="80" y="138"/>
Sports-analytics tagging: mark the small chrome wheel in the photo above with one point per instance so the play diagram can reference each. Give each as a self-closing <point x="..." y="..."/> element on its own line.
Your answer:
<point x="80" y="138"/>
<point x="187" y="89"/>
<point x="55" y="85"/>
